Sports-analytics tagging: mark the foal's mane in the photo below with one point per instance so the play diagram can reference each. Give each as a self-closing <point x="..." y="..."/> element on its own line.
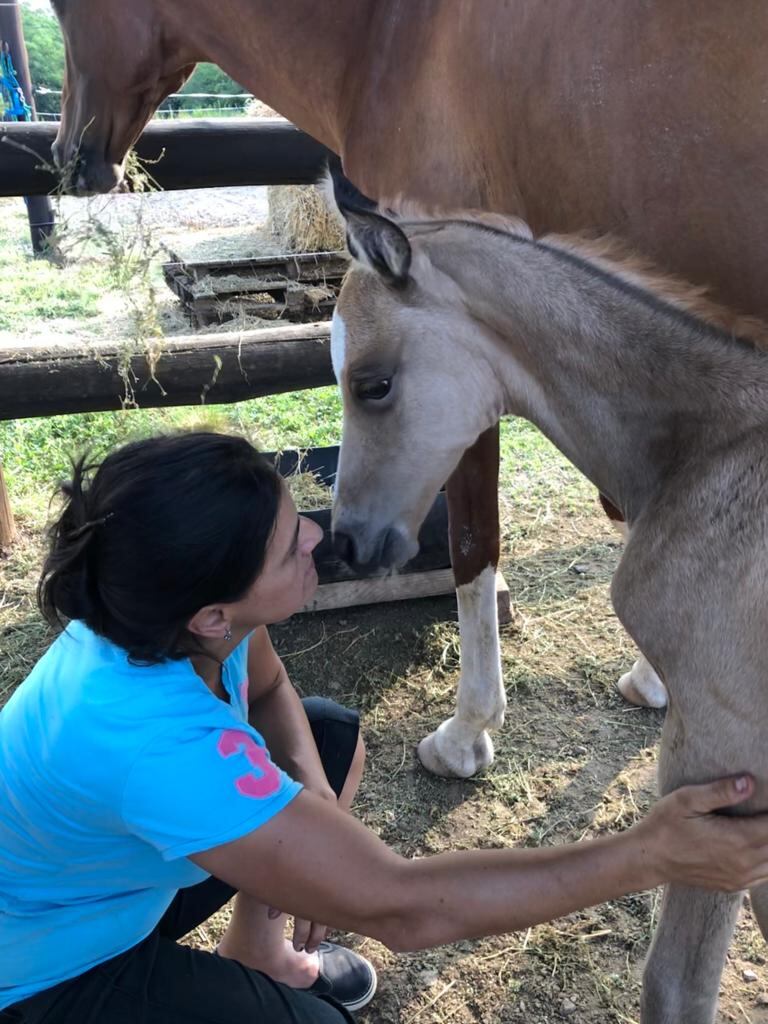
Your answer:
<point x="606" y="253"/>
<point x="617" y="259"/>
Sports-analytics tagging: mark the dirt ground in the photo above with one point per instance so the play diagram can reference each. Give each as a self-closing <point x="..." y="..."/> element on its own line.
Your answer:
<point x="183" y="211"/>
<point x="573" y="760"/>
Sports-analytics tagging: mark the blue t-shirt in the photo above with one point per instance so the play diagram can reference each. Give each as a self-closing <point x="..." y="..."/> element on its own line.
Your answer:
<point x="111" y="774"/>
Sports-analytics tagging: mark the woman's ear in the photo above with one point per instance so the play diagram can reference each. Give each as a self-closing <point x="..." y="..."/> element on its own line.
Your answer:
<point x="210" y="623"/>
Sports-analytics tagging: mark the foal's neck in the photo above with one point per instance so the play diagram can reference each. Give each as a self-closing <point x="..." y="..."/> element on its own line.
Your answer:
<point x="623" y="382"/>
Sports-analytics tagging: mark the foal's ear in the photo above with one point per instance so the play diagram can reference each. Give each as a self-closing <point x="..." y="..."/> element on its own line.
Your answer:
<point x="379" y="244"/>
<point x="373" y="239"/>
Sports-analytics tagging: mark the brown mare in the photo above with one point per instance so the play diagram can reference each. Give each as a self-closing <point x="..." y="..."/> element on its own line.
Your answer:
<point x="646" y="118"/>
<point x="441" y="327"/>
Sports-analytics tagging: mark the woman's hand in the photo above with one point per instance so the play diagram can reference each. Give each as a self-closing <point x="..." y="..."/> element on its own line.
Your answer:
<point x="688" y="843"/>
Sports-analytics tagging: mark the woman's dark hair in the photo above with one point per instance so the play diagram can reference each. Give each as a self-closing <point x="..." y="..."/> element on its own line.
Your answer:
<point x="155" y="532"/>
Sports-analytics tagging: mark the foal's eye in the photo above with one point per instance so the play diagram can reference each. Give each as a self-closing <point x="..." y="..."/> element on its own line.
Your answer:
<point x="374" y="390"/>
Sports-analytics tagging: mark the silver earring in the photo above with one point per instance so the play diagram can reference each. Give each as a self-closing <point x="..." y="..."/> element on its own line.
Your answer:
<point x="227" y="634"/>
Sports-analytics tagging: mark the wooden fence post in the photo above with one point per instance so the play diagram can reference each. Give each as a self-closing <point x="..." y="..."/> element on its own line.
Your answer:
<point x="7" y="524"/>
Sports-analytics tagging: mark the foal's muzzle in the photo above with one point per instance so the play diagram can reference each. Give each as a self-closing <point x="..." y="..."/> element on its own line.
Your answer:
<point x="386" y="551"/>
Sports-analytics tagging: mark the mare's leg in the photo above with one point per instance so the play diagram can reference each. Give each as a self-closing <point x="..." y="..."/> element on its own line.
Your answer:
<point x="641" y="685"/>
<point x="461" y="746"/>
<point x="682" y="975"/>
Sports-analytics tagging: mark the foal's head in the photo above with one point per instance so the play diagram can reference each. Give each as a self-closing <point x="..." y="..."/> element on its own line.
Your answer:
<point x="122" y="60"/>
<point x="416" y="374"/>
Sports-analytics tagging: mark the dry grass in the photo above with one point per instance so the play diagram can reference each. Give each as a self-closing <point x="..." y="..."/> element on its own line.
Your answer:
<point x="309" y="492"/>
<point x="23" y="636"/>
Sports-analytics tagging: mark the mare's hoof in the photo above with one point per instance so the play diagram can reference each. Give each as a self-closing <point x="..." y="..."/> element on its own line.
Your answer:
<point x="449" y="762"/>
<point x="643" y="687"/>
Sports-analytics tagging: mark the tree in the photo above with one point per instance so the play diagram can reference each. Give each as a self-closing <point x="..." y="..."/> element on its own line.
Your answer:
<point x="45" y="48"/>
<point x="209" y="78"/>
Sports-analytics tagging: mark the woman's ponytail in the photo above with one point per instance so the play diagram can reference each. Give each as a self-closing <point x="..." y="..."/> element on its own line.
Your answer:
<point x="66" y="588"/>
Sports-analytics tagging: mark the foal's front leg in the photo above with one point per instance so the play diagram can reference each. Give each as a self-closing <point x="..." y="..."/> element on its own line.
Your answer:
<point x="461" y="746"/>
<point x="682" y="975"/>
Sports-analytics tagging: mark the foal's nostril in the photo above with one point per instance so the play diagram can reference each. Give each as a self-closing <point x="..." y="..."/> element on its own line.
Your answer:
<point x="344" y="547"/>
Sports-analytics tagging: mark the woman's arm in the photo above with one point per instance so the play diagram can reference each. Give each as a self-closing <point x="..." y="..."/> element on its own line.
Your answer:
<point x="317" y="861"/>
<point x="276" y="712"/>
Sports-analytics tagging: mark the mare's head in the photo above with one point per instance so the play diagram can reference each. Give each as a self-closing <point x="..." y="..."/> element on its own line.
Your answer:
<point x="122" y="60"/>
<point x="417" y="375"/>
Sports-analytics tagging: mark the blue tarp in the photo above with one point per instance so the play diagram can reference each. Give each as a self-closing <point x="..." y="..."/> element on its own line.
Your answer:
<point x="15" y="106"/>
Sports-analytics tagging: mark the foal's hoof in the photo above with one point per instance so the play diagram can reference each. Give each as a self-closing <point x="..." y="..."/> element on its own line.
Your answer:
<point x="643" y="687"/>
<point x="454" y="762"/>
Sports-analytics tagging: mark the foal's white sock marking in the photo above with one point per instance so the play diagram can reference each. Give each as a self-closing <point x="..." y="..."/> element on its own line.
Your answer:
<point x="641" y="685"/>
<point x="461" y="745"/>
<point x="338" y="344"/>
<point x="481" y="699"/>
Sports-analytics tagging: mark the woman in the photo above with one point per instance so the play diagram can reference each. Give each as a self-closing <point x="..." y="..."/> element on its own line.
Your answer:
<point x="137" y="794"/>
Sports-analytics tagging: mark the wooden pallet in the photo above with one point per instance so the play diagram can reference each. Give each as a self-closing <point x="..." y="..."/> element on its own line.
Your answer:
<point x="299" y="287"/>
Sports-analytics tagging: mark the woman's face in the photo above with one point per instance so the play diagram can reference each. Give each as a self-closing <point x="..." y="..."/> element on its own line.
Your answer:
<point x="289" y="578"/>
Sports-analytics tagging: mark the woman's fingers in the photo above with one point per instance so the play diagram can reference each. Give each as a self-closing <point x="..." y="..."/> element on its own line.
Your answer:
<point x="697" y="846"/>
<point x="307" y="935"/>
<point x="301" y="933"/>
<point x="316" y="936"/>
<point x="714" y="796"/>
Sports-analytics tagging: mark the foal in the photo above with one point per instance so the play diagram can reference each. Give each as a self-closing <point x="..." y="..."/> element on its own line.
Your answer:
<point x="445" y="324"/>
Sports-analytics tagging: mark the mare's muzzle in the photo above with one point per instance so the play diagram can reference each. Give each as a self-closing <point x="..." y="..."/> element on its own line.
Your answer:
<point x="86" y="172"/>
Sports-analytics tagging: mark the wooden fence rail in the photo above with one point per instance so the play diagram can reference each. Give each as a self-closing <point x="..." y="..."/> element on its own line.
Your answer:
<point x="187" y="370"/>
<point x="197" y="153"/>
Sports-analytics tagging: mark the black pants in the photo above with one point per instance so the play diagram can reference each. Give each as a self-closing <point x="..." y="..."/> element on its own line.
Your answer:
<point x="162" y="982"/>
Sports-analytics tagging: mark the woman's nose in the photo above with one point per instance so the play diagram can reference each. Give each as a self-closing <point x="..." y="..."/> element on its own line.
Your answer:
<point x="311" y="534"/>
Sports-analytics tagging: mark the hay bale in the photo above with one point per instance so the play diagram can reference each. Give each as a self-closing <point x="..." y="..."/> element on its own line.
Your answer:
<point x="255" y="108"/>
<point x="299" y="218"/>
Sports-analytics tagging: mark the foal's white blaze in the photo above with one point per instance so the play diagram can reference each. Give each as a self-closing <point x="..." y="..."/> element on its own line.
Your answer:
<point x="338" y="344"/>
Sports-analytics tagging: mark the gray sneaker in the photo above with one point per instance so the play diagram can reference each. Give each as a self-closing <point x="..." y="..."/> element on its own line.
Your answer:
<point x="346" y="976"/>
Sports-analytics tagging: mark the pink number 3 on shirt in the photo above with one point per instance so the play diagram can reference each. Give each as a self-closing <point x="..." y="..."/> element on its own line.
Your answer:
<point x="266" y="779"/>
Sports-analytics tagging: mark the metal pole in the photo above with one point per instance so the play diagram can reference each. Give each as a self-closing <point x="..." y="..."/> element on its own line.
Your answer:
<point x="39" y="209"/>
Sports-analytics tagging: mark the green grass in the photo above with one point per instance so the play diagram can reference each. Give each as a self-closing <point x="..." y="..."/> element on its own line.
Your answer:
<point x="36" y="289"/>
<point x="36" y="453"/>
